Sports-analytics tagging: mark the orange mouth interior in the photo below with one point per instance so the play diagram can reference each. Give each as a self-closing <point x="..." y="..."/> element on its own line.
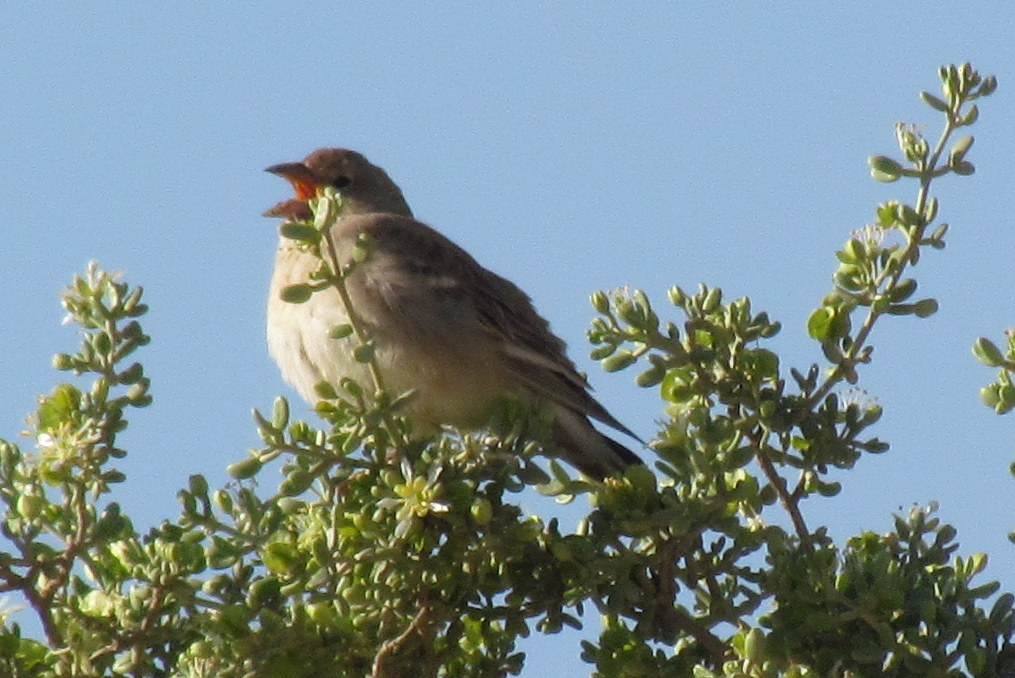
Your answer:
<point x="304" y="189"/>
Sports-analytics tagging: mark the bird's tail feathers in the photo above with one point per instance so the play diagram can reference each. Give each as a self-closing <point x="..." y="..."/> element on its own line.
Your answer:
<point x="588" y="450"/>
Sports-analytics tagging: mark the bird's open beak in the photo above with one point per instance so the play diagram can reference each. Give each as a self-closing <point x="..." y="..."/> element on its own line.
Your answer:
<point x="299" y="176"/>
<point x="305" y="185"/>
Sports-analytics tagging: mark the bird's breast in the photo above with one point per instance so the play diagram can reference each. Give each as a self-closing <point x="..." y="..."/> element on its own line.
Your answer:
<point x="424" y="341"/>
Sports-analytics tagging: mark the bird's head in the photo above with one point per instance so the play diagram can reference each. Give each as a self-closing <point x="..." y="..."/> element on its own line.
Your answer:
<point x="365" y="188"/>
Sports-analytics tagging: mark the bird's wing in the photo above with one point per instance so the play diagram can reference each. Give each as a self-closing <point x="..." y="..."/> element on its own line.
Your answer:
<point x="531" y="351"/>
<point x="425" y="268"/>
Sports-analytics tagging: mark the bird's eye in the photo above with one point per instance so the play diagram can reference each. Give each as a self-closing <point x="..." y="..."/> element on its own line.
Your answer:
<point x="341" y="182"/>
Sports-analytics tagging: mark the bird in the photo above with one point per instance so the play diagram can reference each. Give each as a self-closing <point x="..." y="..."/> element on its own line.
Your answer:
<point x="458" y="336"/>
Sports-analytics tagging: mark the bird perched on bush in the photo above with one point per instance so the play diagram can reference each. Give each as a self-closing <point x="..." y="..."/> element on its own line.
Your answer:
<point x="457" y="335"/>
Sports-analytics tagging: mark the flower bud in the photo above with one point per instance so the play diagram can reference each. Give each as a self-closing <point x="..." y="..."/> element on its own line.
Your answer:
<point x="600" y="302"/>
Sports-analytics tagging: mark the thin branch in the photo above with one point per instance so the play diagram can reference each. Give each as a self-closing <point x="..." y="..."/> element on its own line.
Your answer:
<point x="779" y="485"/>
<point x="392" y="645"/>
<point x="856" y="348"/>
<point x="675" y="616"/>
<point x="710" y="642"/>
<point x="24" y="585"/>
<point x="337" y="278"/>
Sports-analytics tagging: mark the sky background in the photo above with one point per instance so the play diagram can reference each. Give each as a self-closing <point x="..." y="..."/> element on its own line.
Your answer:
<point x="569" y="148"/>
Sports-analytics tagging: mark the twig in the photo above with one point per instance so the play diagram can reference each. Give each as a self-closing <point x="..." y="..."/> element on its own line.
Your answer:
<point x="779" y="485"/>
<point x="859" y="343"/>
<point x="337" y="278"/>
<point x="666" y="591"/>
<point x="710" y="642"/>
<point x="390" y="646"/>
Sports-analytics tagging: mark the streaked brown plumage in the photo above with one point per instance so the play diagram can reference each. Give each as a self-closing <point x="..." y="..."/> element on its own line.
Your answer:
<point x="457" y="334"/>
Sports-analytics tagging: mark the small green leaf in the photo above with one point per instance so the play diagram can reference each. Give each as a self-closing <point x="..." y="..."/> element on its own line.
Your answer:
<point x="30" y="505"/>
<point x="619" y="361"/>
<point x="821" y="324"/>
<point x="198" y="485"/>
<point x="281" y="558"/>
<point x="854" y="250"/>
<point x="280" y="413"/>
<point x="990" y="396"/>
<point x="902" y="291"/>
<point x="677" y="296"/>
<point x="340" y="331"/>
<point x="351" y="386"/>
<point x="971" y="116"/>
<point x="1002" y="608"/>
<point x="604" y="351"/>
<point x="899" y="309"/>
<point x="111" y="524"/>
<point x="223" y="500"/>
<point x="876" y="446"/>
<point x="296" y="230"/>
<point x="650" y="377"/>
<point x="937" y="237"/>
<point x="761" y="363"/>
<point x="754" y="646"/>
<point x="296" y="294"/>
<point x="244" y="469"/>
<point x="325" y="391"/>
<point x="884" y="168"/>
<point x="925" y="308"/>
<point x="675" y="388"/>
<point x="828" y="489"/>
<point x="326" y="209"/>
<point x="481" y="511"/>
<point x="59" y="407"/>
<point x="976" y="661"/>
<point x="1005" y="399"/>
<point x="712" y="300"/>
<point x="988" y="353"/>
<point x="850" y="278"/>
<point x="959" y="149"/>
<point x="907" y="216"/>
<point x="131" y="375"/>
<point x="963" y="168"/>
<point x="886" y="214"/>
<point x="112" y="477"/>
<point x="63" y="362"/>
<point x="364" y="353"/>
<point x="934" y="102"/>
<point x="296" y="482"/>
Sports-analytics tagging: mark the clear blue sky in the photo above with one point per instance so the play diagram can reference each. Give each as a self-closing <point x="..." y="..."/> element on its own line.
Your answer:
<point x="568" y="148"/>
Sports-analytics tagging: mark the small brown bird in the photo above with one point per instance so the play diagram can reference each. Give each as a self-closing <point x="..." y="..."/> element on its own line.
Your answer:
<point x="461" y="337"/>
